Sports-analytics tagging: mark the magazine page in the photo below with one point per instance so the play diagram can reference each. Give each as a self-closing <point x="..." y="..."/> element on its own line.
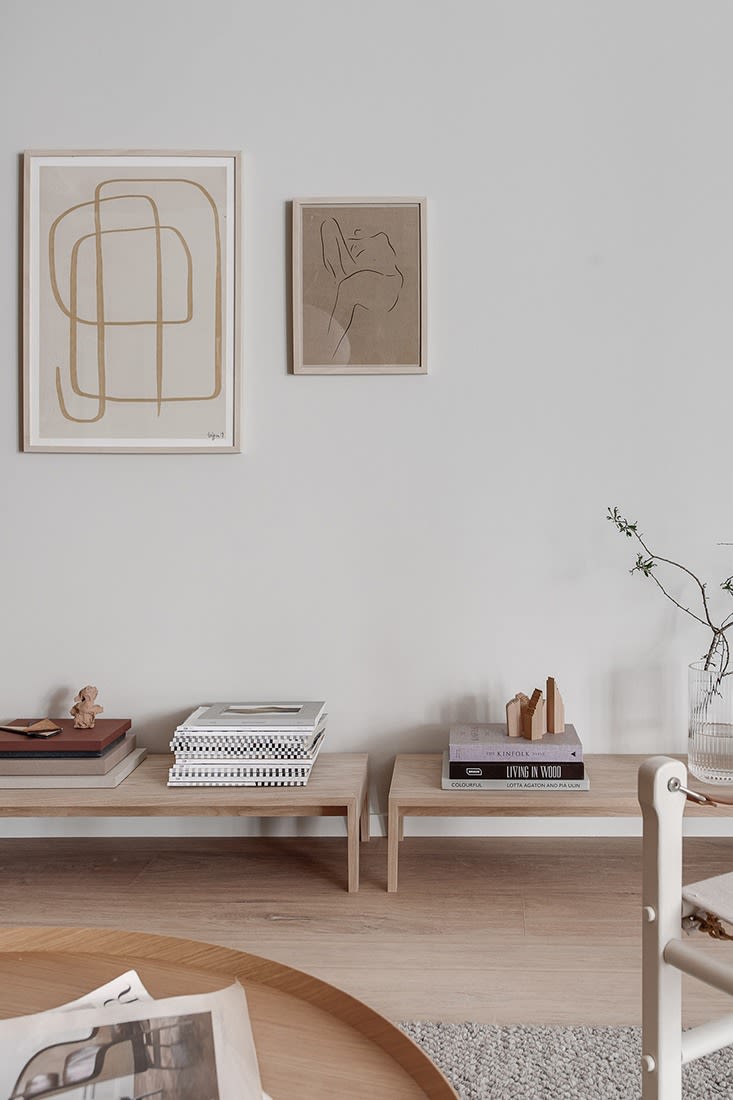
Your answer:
<point x="124" y="990"/>
<point x="196" y="1047"/>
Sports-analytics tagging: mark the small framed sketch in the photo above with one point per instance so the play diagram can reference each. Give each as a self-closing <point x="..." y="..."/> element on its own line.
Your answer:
<point x="131" y="312"/>
<point x="359" y="280"/>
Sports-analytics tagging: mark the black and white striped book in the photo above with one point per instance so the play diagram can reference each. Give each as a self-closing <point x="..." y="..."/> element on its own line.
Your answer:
<point x="234" y="773"/>
<point x="260" y="745"/>
<point x="245" y="755"/>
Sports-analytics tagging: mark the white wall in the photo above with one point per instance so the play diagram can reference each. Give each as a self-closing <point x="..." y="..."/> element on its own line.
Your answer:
<point x="412" y="549"/>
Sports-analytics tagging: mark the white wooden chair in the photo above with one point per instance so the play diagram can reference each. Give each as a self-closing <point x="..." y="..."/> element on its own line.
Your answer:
<point x="668" y="911"/>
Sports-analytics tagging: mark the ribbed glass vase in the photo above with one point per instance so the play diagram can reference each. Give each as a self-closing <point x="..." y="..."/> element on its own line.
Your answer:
<point x="710" y="742"/>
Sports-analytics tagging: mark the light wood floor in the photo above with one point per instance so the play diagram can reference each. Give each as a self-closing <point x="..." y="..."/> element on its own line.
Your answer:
<point x="517" y="930"/>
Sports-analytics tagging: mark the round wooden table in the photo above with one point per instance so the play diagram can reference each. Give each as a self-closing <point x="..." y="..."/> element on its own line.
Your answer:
<point x="314" y="1042"/>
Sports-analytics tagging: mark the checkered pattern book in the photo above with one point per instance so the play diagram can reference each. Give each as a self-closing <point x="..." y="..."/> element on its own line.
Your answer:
<point x="231" y="772"/>
<point x="237" y="782"/>
<point x="245" y="750"/>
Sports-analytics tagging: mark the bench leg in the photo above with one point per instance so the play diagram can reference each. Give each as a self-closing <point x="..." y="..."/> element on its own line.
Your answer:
<point x="353" y="816"/>
<point x="394" y="825"/>
<point x="364" y="820"/>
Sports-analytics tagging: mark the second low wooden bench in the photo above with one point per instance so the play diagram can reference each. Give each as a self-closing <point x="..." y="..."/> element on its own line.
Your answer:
<point x="416" y="791"/>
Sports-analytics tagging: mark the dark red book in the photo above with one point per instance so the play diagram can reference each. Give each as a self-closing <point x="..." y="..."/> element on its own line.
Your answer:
<point x="70" y="742"/>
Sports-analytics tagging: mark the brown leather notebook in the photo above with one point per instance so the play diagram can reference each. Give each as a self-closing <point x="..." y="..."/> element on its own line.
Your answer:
<point x="91" y="742"/>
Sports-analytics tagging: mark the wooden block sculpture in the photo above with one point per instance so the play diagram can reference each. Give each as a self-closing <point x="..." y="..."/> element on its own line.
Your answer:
<point x="514" y="711"/>
<point x="555" y="708"/>
<point x="533" y="717"/>
<point x="533" y="724"/>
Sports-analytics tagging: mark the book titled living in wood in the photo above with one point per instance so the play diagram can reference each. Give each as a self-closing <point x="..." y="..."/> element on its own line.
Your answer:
<point x="518" y="777"/>
<point x="517" y="769"/>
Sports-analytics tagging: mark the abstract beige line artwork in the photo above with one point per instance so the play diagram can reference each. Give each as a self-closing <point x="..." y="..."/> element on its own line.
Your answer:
<point x="131" y="328"/>
<point x="359" y="286"/>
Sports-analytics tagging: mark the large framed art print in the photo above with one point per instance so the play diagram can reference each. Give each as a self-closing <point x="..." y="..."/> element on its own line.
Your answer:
<point x="359" y="278"/>
<point x="131" y="301"/>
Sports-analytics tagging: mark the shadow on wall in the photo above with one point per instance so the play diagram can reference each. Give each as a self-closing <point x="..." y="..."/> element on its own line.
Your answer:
<point x="644" y="700"/>
<point x="156" y="733"/>
<point x="383" y="748"/>
<point x="428" y="737"/>
<point x="59" y="703"/>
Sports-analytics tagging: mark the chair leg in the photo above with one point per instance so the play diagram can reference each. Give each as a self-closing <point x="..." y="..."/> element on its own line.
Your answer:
<point x="662" y="812"/>
<point x="172" y="1054"/>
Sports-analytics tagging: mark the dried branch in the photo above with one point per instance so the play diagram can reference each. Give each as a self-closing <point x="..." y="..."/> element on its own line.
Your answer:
<point x="718" y="654"/>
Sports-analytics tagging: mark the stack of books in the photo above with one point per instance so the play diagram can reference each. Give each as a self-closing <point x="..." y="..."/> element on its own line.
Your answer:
<point x="99" y="757"/>
<point x="248" y="745"/>
<point x="484" y="757"/>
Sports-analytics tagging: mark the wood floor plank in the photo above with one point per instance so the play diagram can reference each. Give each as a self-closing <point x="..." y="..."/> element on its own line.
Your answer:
<point x="502" y="930"/>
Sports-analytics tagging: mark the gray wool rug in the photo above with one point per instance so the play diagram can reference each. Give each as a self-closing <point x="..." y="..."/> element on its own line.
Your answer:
<point x="486" y="1062"/>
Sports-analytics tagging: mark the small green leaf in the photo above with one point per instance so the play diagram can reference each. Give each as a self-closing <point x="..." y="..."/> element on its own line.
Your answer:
<point x="643" y="565"/>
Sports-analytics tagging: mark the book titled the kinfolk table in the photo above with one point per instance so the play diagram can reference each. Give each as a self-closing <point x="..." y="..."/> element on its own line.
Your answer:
<point x="490" y="742"/>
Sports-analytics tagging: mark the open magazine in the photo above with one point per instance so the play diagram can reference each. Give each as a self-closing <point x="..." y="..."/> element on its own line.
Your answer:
<point x="119" y="1043"/>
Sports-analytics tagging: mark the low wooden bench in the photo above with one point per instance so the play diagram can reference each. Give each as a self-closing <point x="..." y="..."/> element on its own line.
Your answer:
<point x="337" y="787"/>
<point x="416" y="791"/>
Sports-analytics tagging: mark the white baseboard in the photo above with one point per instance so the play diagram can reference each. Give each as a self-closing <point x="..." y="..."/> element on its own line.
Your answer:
<point x="40" y="827"/>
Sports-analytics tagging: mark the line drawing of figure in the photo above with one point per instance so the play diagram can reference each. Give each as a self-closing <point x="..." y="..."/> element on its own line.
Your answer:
<point x="364" y="267"/>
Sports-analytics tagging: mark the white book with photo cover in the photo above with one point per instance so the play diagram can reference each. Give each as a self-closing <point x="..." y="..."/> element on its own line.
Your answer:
<point x="254" y="717"/>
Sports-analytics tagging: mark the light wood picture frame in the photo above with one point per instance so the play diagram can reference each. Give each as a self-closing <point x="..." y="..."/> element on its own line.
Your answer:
<point x="131" y="301"/>
<point x="359" y="286"/>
